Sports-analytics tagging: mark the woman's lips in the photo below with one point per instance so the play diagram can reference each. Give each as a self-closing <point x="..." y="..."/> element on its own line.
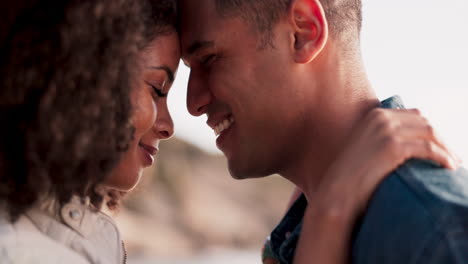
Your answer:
<point x="148" y="154"/>
<point x="151" y="150"/>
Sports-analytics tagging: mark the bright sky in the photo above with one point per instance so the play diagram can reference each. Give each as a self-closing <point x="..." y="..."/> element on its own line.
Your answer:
<point x="417" y="49"/>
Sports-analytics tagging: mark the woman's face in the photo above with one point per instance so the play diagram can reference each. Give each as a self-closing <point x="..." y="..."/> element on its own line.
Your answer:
<point x="150" y="118"/>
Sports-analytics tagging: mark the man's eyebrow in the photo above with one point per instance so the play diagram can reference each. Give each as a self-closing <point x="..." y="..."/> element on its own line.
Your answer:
<point x="169" y="72"/>
<point x="198" y="45"/>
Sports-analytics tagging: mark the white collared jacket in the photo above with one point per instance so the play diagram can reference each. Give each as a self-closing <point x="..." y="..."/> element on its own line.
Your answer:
<point x="74" y="234"/>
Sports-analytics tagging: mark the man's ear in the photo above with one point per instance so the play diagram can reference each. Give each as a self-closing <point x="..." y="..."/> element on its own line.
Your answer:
<point x="310" y="29"/>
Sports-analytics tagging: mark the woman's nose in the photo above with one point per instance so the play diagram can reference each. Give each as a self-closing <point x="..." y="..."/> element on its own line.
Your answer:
<point x="164" y="124"/>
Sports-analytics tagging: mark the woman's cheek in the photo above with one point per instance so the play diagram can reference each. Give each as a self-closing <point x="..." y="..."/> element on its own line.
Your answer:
<point x="150" y="113"/>
<point x="145" y="114"/>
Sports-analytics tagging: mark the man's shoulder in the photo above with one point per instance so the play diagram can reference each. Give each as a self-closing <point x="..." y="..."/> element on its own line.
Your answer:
<point x="418" y="203"/>
<point x="440" y="194"/>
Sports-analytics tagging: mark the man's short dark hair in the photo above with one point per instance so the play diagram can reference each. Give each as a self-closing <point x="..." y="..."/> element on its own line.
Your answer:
<point x="343" y="16"/>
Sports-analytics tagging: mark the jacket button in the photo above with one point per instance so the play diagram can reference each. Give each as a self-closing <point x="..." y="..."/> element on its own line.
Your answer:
<point x="75" y="214"/>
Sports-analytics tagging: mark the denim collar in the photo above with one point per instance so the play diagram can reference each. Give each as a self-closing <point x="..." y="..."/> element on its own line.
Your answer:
<point x="394" y="102"/>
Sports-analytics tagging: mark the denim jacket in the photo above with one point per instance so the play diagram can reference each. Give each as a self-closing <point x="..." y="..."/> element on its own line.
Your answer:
<point x="417" y="215"/>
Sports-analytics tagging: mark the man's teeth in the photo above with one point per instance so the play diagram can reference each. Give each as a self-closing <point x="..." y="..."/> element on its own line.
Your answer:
<point x="223" y="125"/>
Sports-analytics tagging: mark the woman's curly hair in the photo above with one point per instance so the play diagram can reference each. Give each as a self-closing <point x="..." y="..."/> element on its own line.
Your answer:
<point x="66" y="68"/>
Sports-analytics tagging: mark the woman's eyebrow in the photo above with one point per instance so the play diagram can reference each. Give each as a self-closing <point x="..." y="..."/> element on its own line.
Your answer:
<point x="169" y="72"/>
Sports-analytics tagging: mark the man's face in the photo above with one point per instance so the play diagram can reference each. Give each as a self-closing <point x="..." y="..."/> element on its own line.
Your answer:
<point x="248" y="93"/>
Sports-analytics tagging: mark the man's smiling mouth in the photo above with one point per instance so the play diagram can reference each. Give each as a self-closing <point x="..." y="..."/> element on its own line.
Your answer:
<point x="223" y="125"/>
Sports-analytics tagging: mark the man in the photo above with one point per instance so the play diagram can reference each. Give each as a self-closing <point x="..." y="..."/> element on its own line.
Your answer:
<point x="283" y="84"/>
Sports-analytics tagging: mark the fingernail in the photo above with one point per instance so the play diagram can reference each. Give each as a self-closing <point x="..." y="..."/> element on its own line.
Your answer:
<point x="455" y="164"/>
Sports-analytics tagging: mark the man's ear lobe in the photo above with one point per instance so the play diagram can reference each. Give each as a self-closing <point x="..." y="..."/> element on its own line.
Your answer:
<point x="310" y="29"/>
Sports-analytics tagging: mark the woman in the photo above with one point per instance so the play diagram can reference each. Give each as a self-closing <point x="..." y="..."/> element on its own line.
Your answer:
<point x="70" y="142"/>
<point x="70" y="72"/>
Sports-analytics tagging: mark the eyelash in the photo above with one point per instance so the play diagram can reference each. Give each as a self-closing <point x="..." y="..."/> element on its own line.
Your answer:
<point x="208" y="59"/>
<point x="157" y="91"/>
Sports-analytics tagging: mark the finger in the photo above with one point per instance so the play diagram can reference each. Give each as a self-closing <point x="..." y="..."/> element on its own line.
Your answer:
<point x="455" y="157"/>
<point x="417" y="130"/>
<point x="387" y="121"/>
<point x="423" y="149"/>
<point x="390" y="120"/>
<point x="412" y="124"/>
<point x="412" y="118"/>
<point x="414" y="112"/>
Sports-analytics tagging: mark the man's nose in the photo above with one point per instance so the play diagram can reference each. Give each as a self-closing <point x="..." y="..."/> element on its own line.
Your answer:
<point x="198" y="95"/>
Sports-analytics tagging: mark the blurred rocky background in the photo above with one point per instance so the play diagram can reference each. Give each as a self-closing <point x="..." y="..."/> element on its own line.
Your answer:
<point x="188" y="205"/>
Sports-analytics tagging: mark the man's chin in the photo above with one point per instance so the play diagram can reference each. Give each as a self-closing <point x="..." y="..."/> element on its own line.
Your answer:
<point x="242" y="173"/>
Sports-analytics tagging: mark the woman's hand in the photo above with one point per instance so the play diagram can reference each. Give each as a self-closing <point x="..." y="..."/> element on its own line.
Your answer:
<point x="379" y="144"/>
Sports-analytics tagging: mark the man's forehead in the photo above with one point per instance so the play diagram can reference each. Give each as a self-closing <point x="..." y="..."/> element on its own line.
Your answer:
<point x="201" y="26"/>
<point x="193" y="13"/>
<point x="199" y="22"/>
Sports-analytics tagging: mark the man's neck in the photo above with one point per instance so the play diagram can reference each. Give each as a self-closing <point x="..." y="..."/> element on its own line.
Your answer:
<point x="346" y="97"/>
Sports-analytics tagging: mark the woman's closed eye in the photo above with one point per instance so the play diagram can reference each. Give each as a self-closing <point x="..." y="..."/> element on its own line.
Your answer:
<point x="157" y="90"/>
